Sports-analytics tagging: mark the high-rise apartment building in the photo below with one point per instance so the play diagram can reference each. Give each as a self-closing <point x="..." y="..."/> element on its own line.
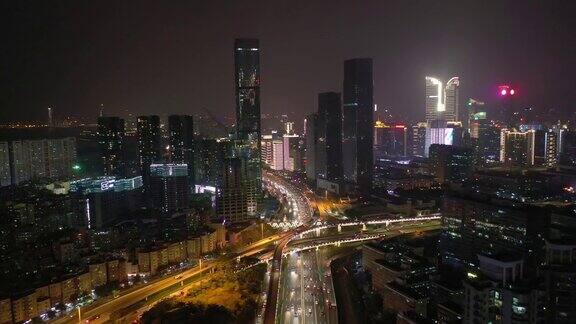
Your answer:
<point x="209" y="155"/>
<point x="5" y="176"/>
<point x="111" y="142"/>
<point x="149" y="150"/>
<point x="266" y="147"/>
<point x="169" y="186"/>
<point x="358" y="121"/>
<point x="516" y="147"/>
<point x="419" y="139"/>
<point x="277" y="154"/>
<point x="42" y="159"/>
<point x="232" y="201"/>
<point x="554" y="145"/>
<point x="181" y="137"/>
<point x="291" y="154"/>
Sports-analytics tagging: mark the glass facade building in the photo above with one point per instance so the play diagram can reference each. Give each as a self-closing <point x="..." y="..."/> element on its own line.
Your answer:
<point x="329" y="137"/>
<point x="248" y="123"/>
<point x="357" y="124"/>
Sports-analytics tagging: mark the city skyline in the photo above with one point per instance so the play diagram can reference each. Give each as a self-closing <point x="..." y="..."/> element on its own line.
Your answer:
<point x="457" y="207"/>
<point x="129" y="72"/>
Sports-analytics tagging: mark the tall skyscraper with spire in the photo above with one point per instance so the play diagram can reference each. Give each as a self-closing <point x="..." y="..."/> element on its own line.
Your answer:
<point x="357" y="124"/>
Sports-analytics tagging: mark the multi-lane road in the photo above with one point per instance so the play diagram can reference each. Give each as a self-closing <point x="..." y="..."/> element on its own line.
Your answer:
<point x="101" y="311"/>
<point x="302" y="279"/>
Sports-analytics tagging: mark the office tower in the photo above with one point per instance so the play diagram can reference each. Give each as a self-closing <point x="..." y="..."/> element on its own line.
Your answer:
<point x="452" y="102"/>
<point x="419" y="139"/>
<point x="310" y="125"/>
<point x="357" y="113"/>
<point x="290" y="152"/>
<point x="248" y="128"/>
<point x="5" y="176"/>
<point x="42" y="159"/>
<point x="435" y="107"/>
<point x="103" y="201"/>
<point x="232" y="201"/>
<point x="443" y="134"/>
<point x="289" y="128"/>
<point x="476" y="112"/>
<point x="442" y="103"/>
<point x="169" y="186"/>
<point x="247" y="76"/>
<point x="390" y="140"/>
<point x="517" y="148"/>
<point x="111" y="142"/>
<point x="181" y="138"/>
<point x="149" y="150"/>
<point x="451" y="163"/>
<point x="329" y="137"/>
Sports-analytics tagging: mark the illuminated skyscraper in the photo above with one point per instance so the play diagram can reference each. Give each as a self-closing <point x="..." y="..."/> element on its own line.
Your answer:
<point x="149" y="150"/>
<point x="111" y="141"/>
<point x="248" y="129"/>
<point x="451" y="100"/>
<point x="357" y="126"/>
<point x="442" y="103"/>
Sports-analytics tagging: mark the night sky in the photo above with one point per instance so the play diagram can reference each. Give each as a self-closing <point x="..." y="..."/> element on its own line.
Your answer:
<point x="162" y="57"/>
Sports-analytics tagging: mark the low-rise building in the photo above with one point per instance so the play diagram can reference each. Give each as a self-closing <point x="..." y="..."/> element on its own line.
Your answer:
<point x="25" y="307"/>
<point x="98" y="274"/>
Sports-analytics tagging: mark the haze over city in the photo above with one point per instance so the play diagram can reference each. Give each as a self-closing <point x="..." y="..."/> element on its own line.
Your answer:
<point x="288" y="162"/>
<point x="149" y="57"/>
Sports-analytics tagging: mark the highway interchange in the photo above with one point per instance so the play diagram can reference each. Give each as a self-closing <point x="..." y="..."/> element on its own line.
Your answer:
<point x="299" y="271"/>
